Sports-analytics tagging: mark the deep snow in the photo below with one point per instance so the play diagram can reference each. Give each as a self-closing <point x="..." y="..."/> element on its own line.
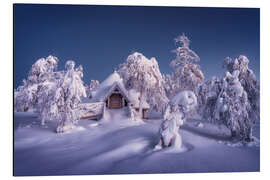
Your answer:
<point x="118" y="146"/>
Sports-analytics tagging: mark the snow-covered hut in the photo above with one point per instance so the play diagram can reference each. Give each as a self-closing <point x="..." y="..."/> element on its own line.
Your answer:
<point x="113" y="94"/>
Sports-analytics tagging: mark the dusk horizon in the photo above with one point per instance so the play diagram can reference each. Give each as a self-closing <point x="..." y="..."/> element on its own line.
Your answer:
<point x="101" y="37"/>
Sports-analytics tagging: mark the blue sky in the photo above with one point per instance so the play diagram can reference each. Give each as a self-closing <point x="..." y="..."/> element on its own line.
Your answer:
<point x="101" y="37"/>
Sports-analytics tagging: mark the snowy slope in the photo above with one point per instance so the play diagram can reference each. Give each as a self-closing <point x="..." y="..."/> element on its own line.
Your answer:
<point x="117" y="146"/>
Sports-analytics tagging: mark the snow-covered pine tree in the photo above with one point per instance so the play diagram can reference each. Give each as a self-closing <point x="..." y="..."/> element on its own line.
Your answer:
<point x="40" y="75"/>
<point x="187" y="75"/>
<point x="207" y="95"/>
<point x="68" y="92"/>
<point x="249" y="82"/>
<point x="232" y="107"/>
<point x="143" y="74"/>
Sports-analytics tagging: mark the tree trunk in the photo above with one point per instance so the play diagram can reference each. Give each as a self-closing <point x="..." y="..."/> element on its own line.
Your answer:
<point x="141" y="103"/>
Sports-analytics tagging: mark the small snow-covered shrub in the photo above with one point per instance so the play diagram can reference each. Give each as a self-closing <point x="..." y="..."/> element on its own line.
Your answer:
<point x="173" y="117"/>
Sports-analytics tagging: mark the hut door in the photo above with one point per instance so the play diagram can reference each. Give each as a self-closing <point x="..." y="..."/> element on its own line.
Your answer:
<point x="115" y="101"/>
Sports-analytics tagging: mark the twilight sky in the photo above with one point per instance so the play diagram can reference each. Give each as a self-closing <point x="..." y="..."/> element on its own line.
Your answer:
<point x="101" y="37"/>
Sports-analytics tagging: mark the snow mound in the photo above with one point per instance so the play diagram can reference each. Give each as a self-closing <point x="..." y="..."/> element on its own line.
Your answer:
<point x="186" y="99"/>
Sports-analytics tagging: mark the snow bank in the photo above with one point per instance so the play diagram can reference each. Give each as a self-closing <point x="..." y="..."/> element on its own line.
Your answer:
<point x="108" y="149"/>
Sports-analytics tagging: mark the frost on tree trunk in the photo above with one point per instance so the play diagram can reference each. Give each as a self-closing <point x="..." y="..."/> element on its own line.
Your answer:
<point x="141" y="103"/>
<point x="173" y="118"/>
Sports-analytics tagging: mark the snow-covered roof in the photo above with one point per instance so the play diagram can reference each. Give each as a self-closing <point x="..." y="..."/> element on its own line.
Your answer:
<point x="106" y="88"/>
<point x="101" y="92"/>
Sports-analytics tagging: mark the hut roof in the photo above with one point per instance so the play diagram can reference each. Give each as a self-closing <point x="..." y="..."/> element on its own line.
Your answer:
<point x="101" y="92"/>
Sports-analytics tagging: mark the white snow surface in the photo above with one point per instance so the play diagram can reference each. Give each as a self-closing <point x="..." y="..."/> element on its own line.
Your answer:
<point x="120" y="146"/>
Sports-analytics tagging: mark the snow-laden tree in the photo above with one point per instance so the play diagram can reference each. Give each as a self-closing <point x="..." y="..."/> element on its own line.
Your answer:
<point x="25" y="97"/>
<point x="143" y="74"/>
<point x="168" y="84"/>
<point x="67" y="95"/>
<point x="40" y="75"/>
<point x="173" y="117"/>
<point x="93" y="84"/>
<point x="207" y="95"/>
<point x="248" y="80"/>
<point x="45" y="99"/>
<point x="187" y="74"/>
<point x="232" y="108"/>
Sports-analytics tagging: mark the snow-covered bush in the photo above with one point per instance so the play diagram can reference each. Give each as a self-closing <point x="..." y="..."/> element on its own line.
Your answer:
<point x="143" y="74"/>
<point x="40" y="75"/>
<point x="248" y="80"/>
<point x="187" y="75"/>
<point x="173" y="117"/>
<point x="232" y="108"/>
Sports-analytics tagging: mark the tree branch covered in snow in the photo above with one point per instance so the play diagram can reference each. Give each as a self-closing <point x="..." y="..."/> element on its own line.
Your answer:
<point x="248" y="80"/>
<point x="55" y="95"/>
<point x="233" y="100"/>
<point x="143" y="74"/>
<point x="68" y="93"/>
<point x="186" y="75"/>
<point x="41" y="75"/>
<point x="207" y="95"/>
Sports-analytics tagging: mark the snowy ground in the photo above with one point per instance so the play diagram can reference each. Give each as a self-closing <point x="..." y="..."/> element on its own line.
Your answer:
<point x="118" y="147"/>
